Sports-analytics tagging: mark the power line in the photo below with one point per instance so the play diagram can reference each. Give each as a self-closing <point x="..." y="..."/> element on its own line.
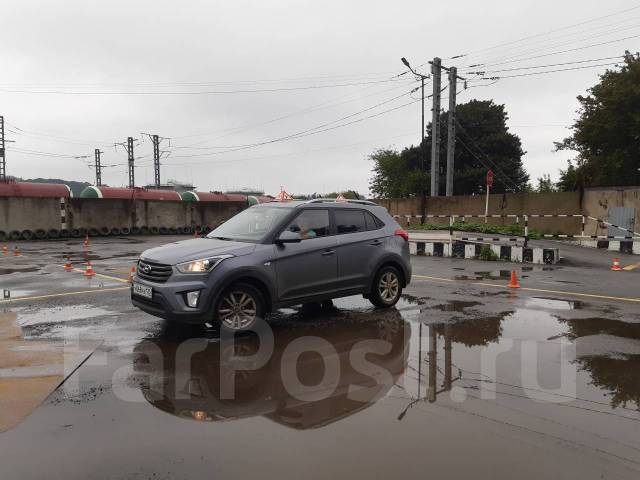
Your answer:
<point x="546" y="48"/>
<point x="48" y="154"/>
<point x="320" y="106"/>
<point x="564" y="51"/>
<point x="204" y="92"/>
<point x="331" y="78"/>
<point x="307" y="131"/>
<point x="495" y="165"/>
<point x="543" y="66"/>
<point x="20" y="131"/>
<point x="542" y="34"/>
<point x="550" y="71"/>
<point x="526" y="46"/>
<point x="280" y="155"/>
<point x="299" y="135"/>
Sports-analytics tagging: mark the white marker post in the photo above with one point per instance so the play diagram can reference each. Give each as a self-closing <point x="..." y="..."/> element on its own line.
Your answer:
<point x="489" y="185"/>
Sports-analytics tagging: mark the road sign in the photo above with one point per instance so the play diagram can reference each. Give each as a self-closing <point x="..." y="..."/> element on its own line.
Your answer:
<point x="490" y="178"/>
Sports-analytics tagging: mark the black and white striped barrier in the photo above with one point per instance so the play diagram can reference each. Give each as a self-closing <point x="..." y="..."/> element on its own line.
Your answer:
<point x="633" y="234"/>
<point x="512" y="253"/>
<point x="63" y="213"/>
<point x="535" y="215"/>
<point x="594" y="237"/>
<point x="489" y="239"/>
<point x="613" y="244"/>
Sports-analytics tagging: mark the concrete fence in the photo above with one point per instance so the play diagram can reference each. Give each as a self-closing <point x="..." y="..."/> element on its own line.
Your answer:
<point x="506" y="209"/>
<point x="19" y="214"/>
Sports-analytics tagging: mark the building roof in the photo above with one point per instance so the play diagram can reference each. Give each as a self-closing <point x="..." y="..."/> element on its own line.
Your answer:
<point x="25" y="189"/>
<point x="212" y="197"/>
<point x="129" y="193"/>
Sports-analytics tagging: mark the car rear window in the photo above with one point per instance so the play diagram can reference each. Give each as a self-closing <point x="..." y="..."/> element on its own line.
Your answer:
<point x="353" y="221"/>
<point x="373" y="222"/>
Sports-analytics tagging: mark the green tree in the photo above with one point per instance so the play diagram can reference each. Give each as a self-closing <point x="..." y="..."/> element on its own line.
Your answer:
<point x="606" y="135"/>
<point x="545" y="185"/>
<point x="396" y="174"/>
<point x="570" y="179"/>
<point x="349" y="194"/>
<point x="483" y="142"/>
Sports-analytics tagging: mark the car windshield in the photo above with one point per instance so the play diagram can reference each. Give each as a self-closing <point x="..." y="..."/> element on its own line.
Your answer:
<point x="250" y="225"/>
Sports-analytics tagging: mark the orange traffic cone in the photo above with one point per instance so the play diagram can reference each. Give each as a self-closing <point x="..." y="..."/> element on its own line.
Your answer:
<point x="89" y="271"/>
<point x="67" y="266"/>
<point x="5" y="250"/>
<point x="132" y="274"/>
<point x="87" y="242"/>
<point x="513" y="283"/>
<point x="16" y="252"/>
<point x="616" y="265"/>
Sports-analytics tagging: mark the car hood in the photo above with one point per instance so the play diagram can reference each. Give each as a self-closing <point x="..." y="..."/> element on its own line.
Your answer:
<point x="195" y="248"/>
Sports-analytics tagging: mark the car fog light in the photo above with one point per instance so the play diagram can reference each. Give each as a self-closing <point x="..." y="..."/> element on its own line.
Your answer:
<point x="192" y="298"/>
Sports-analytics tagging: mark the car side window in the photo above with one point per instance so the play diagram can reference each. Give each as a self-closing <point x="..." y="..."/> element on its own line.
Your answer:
<point x="311" y="223"/>
<point x="350" y="221"/>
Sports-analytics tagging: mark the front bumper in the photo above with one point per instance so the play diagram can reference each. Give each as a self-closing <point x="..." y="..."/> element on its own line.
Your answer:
<point x="168" y="300"/>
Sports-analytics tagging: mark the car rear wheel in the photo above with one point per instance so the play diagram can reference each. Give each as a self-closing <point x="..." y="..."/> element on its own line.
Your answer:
<point x="387" y="287"/>
<point x="239" y="307"/>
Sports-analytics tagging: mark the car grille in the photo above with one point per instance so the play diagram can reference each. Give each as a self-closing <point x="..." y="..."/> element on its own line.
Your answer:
<point x="157" y="272"/>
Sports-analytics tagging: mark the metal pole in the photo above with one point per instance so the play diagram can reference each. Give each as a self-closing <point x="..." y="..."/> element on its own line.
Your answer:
<point x="451" y="134"/>
<point x="423" y="162"/>
<point x="435" y="128"/>
<point x="433" y="363"/>
<point x="447" y="357"/>
<point x="156" y="159"/>
<point x="132" y="180"/>
<point x="97" y="153"/>
<point x="451" y="220"/>
<point x="3" y="160"/>
<point x="419" y="358"/>
<point x="486" y="205"/>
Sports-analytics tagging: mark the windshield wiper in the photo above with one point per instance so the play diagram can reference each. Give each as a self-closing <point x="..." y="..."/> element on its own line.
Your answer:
<point x="222" y="238"/>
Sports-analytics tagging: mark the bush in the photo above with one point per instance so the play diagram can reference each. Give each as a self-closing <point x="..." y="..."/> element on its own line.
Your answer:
<point x="515" y="230"/>
<point x="487" y="254"/>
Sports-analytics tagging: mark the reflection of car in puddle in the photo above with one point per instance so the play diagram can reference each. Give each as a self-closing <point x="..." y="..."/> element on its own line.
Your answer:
<point x="315" y="376"/>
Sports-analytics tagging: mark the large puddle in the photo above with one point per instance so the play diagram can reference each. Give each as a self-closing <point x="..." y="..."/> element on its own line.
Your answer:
<point x="552" y="384"/>
<point x="528" y="353"/>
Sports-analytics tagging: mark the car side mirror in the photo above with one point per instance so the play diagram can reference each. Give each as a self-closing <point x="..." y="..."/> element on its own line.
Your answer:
<point x="289" y="237"/>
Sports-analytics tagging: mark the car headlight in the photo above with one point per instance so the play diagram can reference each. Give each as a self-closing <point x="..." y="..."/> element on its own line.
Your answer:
<point x="201" y="265"/>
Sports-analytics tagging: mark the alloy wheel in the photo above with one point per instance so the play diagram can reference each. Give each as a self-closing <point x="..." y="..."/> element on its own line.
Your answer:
<point x="237" y="310"/>
<point x="388" y="287"/>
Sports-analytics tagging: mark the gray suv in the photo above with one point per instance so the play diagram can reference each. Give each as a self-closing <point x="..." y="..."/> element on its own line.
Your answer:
<point x="274" y="255"/>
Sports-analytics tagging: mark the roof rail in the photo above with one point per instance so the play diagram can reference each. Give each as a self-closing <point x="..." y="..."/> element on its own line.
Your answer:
<point x="348" y="200"/>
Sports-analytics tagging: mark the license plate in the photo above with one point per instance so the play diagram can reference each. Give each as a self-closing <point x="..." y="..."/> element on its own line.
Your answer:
<point x="142" y="290"/>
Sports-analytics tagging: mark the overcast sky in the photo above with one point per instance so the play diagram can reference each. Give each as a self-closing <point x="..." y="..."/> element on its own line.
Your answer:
<point x="117" y="69"/>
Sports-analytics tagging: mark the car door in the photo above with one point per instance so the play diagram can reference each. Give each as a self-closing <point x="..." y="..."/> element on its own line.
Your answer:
<point x="309" y="267"/>
<point x="360" y="244"/>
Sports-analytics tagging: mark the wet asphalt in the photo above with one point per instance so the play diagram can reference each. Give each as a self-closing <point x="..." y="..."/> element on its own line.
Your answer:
<point x="464" y="378"/>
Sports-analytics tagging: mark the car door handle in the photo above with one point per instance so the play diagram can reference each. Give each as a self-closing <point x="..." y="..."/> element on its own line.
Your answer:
<point x="326" y="253"/>
<point x="376" y="243"/>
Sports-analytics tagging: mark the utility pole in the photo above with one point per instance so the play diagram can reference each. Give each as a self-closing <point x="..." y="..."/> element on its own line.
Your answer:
<point x="422" y="129"/>
<point x="132" y="181"/>
<point x="435" y="127"/>
<point x="3" y="161"/>
<point x="451" y="133"/>
<point x="156" y="158"/>
<point x="97" y="153"/>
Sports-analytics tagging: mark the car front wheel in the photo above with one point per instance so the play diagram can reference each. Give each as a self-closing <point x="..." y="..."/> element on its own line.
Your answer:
<point x="239" y="307"/>
<point x="387" y="287"/>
